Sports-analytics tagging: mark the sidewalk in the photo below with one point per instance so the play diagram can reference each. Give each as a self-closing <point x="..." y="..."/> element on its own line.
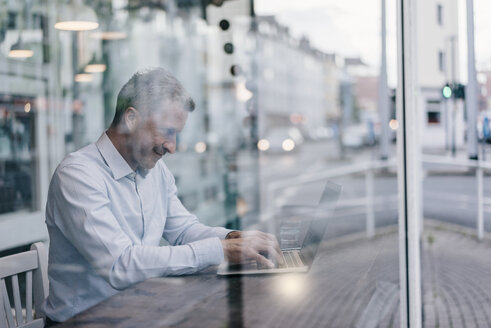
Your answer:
<point x="363" y="287"/>
<point x="456" y="282"/>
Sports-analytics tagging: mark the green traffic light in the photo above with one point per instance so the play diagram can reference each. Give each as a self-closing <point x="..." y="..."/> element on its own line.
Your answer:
<point x="447" y="92"/>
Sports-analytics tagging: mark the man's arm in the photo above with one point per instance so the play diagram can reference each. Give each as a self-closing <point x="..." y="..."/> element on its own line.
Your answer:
<point x="238" y="246"/>
<point x="181" y="226"/>
<point x="84" y="217"/>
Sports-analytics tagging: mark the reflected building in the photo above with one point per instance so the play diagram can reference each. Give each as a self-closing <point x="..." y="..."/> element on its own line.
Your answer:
<point x="365" y="91"/>
<point x="63" y="96"/>
<point x="298" y="84"/>
<point x="484" y="101"/>
<point x="246" y="76"/>
<point x="484" y="80"/>
<point x="438" y="63"/>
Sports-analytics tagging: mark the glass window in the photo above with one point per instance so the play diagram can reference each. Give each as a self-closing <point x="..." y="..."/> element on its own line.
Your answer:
<point x="433" y="108"/>
<point x="288" y="96"/>
<point x="17" y="132"/>
<point x="454" y="187"/>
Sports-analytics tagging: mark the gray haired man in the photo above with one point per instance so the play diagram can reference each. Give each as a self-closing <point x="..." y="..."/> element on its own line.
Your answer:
<point x="110" y="203"/>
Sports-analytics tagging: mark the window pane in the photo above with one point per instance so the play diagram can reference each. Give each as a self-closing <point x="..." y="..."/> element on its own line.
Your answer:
<point x="455" y="183"/>
<point x="293" y="100"/>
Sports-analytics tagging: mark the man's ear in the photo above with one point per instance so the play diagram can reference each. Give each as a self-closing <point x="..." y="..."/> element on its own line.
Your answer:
<point x="130" y="118"/>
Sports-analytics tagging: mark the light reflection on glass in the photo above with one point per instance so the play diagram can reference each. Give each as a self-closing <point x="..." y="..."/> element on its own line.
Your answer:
<point x="76" y="16"/>
<point x="393" y="124"/>
<point x="95" y="68"/>
<point x="291" y="286"/>
<point x="82" y="77"/>
<point x="288" y="144"/>
<point x="21" y="53"/>
<point x="76" y="26"/>
<point x="263" y="144"/>
<point x="108" y="35"/>
<point x="242" y="93"/>
<point x="200" y="147"/>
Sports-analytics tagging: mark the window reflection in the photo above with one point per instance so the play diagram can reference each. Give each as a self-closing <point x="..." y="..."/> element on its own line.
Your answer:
<point x="17" y="132"/>
<point x="277" y="113"/>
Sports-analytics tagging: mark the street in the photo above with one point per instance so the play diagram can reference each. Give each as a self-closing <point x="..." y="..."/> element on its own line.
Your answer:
<point x="447" y="196"/>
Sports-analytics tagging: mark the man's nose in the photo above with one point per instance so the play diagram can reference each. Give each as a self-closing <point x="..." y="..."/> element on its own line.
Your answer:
<point x="170" y="145"/>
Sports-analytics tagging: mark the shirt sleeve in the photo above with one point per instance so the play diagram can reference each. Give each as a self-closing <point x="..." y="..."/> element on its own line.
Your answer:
<point x="183" y="227"/>
<point x="86" y="220"/>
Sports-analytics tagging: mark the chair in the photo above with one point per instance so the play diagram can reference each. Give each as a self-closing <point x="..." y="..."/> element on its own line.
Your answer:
<point x="35" y="264"/>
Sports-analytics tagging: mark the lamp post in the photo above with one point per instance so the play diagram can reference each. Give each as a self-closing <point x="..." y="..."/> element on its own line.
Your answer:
<point x="383" y="94"/>
<point x="471" y="96"/>
<point x="454" y="101"/>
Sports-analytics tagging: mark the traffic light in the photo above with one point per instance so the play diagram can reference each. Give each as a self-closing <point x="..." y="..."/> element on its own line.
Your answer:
<point x="454" y="90"/>
<point x="459" y="91"/>
<point x="447" y="91"/>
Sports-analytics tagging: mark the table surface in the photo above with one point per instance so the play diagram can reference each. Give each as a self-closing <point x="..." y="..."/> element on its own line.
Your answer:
<point x="339" y="290"/>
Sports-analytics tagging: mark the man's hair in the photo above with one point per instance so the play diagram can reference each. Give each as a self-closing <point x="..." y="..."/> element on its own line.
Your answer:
<point x="148" y="90"/>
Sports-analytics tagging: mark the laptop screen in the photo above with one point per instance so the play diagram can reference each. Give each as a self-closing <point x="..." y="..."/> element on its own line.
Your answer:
<point x="318" y="225"/>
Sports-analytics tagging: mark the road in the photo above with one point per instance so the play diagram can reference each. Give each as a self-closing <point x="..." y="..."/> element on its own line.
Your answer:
<point x="449" y="197"/>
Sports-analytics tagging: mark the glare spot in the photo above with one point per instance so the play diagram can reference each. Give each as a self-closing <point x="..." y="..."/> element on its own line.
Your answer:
<point x="83" y="77"/>
<point x="241" y="207"/>
<point x="242" y="93"/>
<point x="393" y="124"/>
<point x="95" y="68"/>
<point x="76" y="26"/>
<point x="200" y="147"/>
<point x="27" y="107"/>
<point x="290" y="286"/>
<point x="263" y="144"/>
<point x="288" y="144"/>
<point x="21" y="53"/>
<point x="108" y="35"/>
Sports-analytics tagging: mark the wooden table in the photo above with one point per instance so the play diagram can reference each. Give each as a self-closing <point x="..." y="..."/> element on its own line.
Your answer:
<point x="336" y="292"/>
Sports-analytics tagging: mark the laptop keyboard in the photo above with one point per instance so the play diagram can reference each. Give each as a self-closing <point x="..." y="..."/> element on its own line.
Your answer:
<point x="291" y="259"/>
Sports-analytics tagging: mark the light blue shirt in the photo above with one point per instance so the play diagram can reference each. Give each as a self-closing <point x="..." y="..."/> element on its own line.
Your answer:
<point x="105" y="223"/>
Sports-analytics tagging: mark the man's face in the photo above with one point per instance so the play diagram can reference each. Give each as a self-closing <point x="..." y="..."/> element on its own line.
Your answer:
<point x="154" y="134"/>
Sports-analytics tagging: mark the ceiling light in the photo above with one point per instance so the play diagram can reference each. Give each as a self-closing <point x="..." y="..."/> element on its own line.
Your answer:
<point x="109" y="35"/>
<point x="76" y="17"/>
<point x="95" y="68"/>
<point x="19" y="50"/>
<point x="83" y="77"/>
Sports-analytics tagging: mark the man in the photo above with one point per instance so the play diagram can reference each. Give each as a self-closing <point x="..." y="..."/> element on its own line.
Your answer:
<point x="110" y="203"/>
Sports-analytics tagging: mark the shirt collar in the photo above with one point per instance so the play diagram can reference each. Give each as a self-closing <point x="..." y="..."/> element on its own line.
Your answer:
<point x="113" y="158"/>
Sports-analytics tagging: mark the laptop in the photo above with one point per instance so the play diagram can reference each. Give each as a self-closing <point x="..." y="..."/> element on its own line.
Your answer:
<point x="296" y="259"/>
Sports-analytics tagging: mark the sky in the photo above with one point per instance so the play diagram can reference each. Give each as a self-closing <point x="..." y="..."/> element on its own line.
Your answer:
<point x="352" y="27"/>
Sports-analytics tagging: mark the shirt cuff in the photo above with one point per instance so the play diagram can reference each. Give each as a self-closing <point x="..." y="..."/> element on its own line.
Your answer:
<point x="208" y="252"/>
<point x="222" y="232"/>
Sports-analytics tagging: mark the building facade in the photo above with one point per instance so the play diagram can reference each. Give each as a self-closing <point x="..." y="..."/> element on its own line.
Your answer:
<point x="443" y="125"/>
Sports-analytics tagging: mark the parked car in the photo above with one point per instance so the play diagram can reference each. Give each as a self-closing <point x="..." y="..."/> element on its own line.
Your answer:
<point x="359" y="135"/>
<point x="281" y="140"/>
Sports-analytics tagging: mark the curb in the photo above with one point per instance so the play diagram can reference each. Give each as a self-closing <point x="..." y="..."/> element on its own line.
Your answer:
<point x="387" y="230"/>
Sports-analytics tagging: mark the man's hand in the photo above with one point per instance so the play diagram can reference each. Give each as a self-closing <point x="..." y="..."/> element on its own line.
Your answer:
<point x="243" y="246"/>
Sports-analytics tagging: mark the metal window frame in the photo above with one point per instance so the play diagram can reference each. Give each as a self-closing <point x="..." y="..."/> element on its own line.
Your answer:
<point x="409" y="167"/>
